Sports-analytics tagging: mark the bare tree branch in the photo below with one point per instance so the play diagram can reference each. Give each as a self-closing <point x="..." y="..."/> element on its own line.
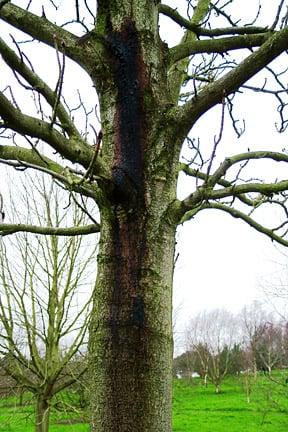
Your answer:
<point x="17" y="64"/>
<point x="220" y="46"/>
<point x="7" y="228"/>
<point x="45" y="31"/>
<point x="200" y="31"/>
<point x="73" y="149"/>
<point x="240" y="215"/>
<point x="205" y="193"/>
<point x="212" y="94"/>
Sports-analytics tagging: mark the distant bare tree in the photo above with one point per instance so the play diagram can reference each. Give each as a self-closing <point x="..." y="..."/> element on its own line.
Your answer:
<point x="254" y="320"/>
<point x="212" y="335"/>
<point x="177" y="337"/>
<point x="183" y="365"/>
<point x="45" y="289"/>
<point x="270" y="347"/>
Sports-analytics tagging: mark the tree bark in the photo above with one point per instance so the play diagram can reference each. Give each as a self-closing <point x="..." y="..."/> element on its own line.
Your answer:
<point x="217" y="388"/>
<point x="42" y="414"/>
<point x="131" y="332"/>
<point x="131" y="336"/>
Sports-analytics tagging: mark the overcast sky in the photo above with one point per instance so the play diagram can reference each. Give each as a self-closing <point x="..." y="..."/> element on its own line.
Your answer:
<point x="222" y="262"/>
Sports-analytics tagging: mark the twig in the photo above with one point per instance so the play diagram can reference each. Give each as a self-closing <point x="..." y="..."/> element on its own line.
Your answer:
<point x="217" y="141"/>
<point x="59" y="85"/>
<point x="77" y="10"/>
<point x="89" y="173"/>
<point x="277" y="15"/>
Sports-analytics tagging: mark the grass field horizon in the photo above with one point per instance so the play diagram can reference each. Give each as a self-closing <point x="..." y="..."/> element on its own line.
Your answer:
<point x="195" y="408"/>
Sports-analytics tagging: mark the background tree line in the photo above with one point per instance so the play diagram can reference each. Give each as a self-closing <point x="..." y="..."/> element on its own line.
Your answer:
<point x="219" y="343"/>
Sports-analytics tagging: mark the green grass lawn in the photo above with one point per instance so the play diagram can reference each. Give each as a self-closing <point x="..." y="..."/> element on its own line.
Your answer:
<point x="15" y="418"/>
<point x="195" y="408"/>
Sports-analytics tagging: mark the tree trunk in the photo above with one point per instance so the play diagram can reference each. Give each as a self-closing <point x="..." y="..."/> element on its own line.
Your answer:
<point x="42" y="414"/>
<point x="131" y="336"/>
<point x="247" y="384"/>
<point x="21" y="394"/>
<point x="206" y="379"/>
<point x="131" y="331"/>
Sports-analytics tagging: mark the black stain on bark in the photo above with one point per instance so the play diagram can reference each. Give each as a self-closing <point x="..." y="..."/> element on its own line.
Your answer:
<point x="128" y="321"/>
<point x="129" y="241"/>
<point x="138" y="312"/>
<point x="129" y="78"/>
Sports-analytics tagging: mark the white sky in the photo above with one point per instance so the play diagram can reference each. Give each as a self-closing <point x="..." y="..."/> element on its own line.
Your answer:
<point x="223" y="263"/>
<point x="221" y="260"/>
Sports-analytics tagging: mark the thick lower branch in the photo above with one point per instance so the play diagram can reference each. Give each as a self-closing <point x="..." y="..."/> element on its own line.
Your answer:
<point x="18" y="154"/>
<point x="75" y="150"/>
<point x="195" y="173"/>
<point x="206" y="193"/>
<point x="220" y="46"/>
<point x="255" y="155"/>
<point x="22" y="158"/>
<point x="40" y="29"/>
<point x="18" y="65"/>
<point x="6" y="229"/>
